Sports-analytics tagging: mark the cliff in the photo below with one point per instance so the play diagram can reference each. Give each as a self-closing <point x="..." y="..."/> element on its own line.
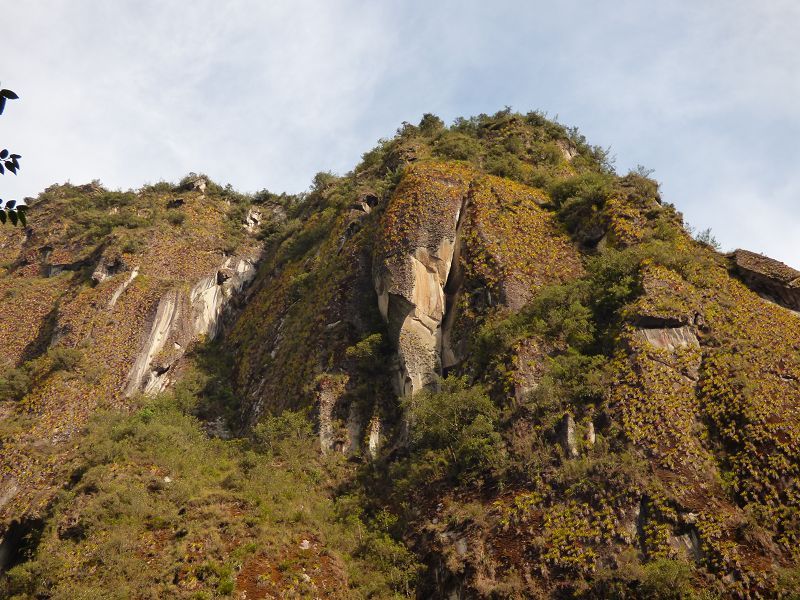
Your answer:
<point x="480" y="365"/>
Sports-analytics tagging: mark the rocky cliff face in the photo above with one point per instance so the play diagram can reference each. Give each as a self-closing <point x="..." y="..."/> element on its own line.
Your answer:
<point x="105" y="312"/>
<point x="542" y="384"/>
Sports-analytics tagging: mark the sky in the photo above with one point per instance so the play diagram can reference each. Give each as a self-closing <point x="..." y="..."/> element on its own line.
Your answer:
<point x="264" y="94"/>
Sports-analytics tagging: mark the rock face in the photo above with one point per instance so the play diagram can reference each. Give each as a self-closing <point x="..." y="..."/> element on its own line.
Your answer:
<point x="411" y="283"/>
<point x="454" y="241"/>
<point x="769" y="277"/>
<point x="567" y="436"/>
<point x="107" y="267"/>
<point x="125" y="305"/>
<point x="669" y="338"/>
<point x="181" y="319"/>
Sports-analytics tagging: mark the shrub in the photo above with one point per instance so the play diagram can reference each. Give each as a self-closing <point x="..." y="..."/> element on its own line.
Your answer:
<point x="457" y="146"/>
<point x="176" y="217"/>
<point x="14" y="384"/>
<point x="430" y="125"/>
<point x="277" y="431"/>
<point x="666" y="579"/>
<point x="64" y="359"/>
<point x="456" y="425"/>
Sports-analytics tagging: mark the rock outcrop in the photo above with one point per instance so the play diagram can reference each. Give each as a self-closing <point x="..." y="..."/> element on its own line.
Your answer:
<point x="410" y="281"/>
<point x="768" y="277"/>
<point x="181" y="319"/>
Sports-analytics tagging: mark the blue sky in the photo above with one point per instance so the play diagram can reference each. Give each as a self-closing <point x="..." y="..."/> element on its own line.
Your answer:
<point x="265" y="94"/>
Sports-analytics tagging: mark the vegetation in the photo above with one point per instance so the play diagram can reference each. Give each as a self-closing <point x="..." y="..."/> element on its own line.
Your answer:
<point x="157" y="509"/>
<point x="10" y="210"/>
<point x="617" y="418"/>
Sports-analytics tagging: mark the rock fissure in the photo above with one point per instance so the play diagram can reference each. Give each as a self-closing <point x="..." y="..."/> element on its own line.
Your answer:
<point x="417" y="296"/>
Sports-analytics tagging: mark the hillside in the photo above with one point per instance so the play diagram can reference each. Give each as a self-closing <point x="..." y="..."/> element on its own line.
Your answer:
<point x="482" y="364"/>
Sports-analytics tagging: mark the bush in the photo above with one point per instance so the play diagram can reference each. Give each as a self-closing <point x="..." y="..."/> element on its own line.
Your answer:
<point x="176" y="217"/>
<point x="666" y="579"/>
<point x="457" y="146"/>
<point x="456" y="425"/>
<point x="14" y="384"/>
<point x="276" y="432"/>
<point x="64" y="359"/>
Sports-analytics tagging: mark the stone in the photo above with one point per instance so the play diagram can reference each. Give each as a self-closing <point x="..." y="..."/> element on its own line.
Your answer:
<point x="252" y="220"/>
<point x="590" y="436"/>
<point x="411" y="298"/>
<point x="107" y="267"/>
<point x="181" y="318"/>
<point x="768" y="277"/>
<point x="567" y="436"/>
<point x="669" y="338"/>
<point x="374" y="432"/>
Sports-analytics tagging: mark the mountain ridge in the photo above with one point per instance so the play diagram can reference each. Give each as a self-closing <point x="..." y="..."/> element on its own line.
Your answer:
<point x="524" y="377"/>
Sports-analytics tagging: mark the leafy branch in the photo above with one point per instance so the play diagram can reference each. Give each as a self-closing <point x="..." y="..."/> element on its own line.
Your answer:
<point x="10" y="210"/>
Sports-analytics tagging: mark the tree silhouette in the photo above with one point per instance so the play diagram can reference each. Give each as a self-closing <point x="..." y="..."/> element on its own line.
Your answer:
<point x="10" y="210"/>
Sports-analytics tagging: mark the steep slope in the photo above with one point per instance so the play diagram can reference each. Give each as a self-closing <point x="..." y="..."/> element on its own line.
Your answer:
<point x="108" y="290"/>
<point x="525" y="380"/>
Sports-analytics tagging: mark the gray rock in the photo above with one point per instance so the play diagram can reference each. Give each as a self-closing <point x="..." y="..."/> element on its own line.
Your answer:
<point x="567" y="436"/>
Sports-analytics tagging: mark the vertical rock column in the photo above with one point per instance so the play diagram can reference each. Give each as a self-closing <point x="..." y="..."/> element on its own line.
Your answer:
<point x="411" y="275"/>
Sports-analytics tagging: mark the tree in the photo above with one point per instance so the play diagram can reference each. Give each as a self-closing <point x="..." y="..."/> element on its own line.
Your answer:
<point x="10" y="210"/>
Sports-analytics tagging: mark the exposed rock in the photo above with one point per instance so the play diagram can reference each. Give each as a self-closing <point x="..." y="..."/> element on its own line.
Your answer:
<point x="354" y="426"/>
<point x="8" y="489"/>
<point x="122" y="287"/>
<point x="210" y="296"/>
<point x="567" y="149"/>
<point x="142" y="377"/>
<point x="411" y="298"/>
<point x="181" y="318"/>
<point x="768" y="277"/>
<point x="329" y="390"/>
<point x="253" y="220"/>
<point x="374" y="431"/>
<point x="669" y="338"/>
<point x="631" y="523"/>
<point x="529" y="366"/>
<point x="365" y="203"/>
<point x="590" y="438"/>
<point x="567" y="436"/>
<point x="107" y="267"/>
<point x="687" y="545"/>
<point x="194" y="183"/>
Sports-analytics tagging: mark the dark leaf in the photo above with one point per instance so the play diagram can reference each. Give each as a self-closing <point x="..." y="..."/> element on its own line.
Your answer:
<point x="11" y="204"/>
<point x="8" y="94"/>
<point x="2" y="104"/>
<point x="22" y="207"/>
<point x="22" y="218"/>
<point x="12" y="214"/>
<point x="4" y="153"/>
<point x="2" y="170"/>
<point x="11" y="167"/>
<point x="16" y="156"/>
<point x="2" y="216"/>
<point x="16" y="162"/>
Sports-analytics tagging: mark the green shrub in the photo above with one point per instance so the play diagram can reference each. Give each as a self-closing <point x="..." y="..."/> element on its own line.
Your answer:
<point x="276" y="432"/>
<point x="456" y="426"/>
<point x="176" y="217"/>
<point x="64" y="359"/>
<point x="666" y="579"/>
<point x="14" y="384"/>
<point x="457" y="146"/>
